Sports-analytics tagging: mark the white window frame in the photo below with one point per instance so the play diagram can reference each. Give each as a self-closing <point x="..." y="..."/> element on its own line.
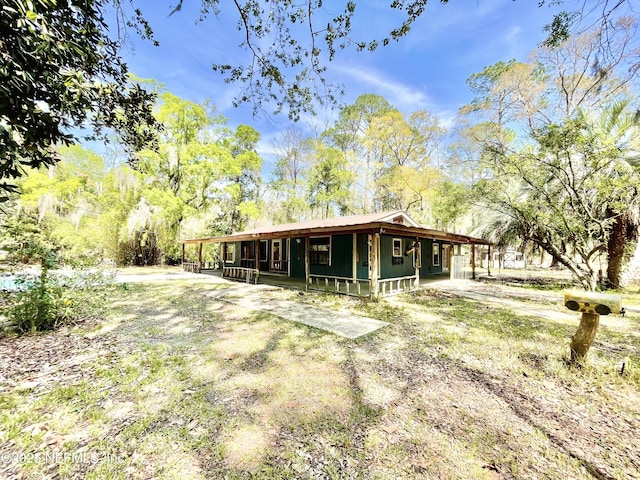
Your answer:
<point x="435" y="255"/>
<point x="393" y="247"/>
<point x="231" y="248"/>
<point x="330" y="237"/>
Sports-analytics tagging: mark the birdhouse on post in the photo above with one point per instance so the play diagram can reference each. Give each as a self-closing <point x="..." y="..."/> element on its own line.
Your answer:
<point x="592" y="305"/>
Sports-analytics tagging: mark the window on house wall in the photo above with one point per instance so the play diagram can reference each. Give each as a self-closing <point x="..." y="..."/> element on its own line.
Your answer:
<point x="320" y="251"/>
<point x="436" y="255"/>
<point x="230" y="256"/>
<point x="397" y="247"/>
<point x="396" y="251"/>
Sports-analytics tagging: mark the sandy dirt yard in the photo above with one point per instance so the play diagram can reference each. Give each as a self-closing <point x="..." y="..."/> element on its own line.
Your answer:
<point x="175" y="383"/>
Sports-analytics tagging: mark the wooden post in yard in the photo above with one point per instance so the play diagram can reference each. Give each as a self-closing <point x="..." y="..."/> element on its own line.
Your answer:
<point x="200" y="258"/>
<point x="584" y="336"/>
<point x="183" y="247"/>
<point x="489" y="261"/>
<point x="591" y="305"/>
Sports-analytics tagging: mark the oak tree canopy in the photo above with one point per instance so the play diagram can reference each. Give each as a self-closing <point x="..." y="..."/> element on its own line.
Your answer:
<point x="62" y="75"/>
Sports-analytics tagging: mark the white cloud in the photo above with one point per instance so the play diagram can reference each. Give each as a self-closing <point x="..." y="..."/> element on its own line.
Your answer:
<point x="512" y="39"/>
<point x="401" y="95"/>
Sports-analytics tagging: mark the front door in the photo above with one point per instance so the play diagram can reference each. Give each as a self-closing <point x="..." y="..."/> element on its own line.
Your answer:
<point x="264" y="256"/>
<point x="363" y="254"/>
<point x="248" y="259"/>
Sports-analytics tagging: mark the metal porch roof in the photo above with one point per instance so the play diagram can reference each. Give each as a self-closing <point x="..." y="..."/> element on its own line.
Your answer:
<point x="380" y="222"/>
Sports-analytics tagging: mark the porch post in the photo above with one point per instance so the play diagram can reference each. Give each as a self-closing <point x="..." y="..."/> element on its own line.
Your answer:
<point x="200" y="258"/>
<point x="307" y="270"/>
<point x="416" y="252"/>
<point x="224" y="256"/>
<point x="451" y="254"/>
<point x="354" y="258"/>
<point x="183" y="245"/>
<point x="473" y="261"/>
<point x="288" y="250"/>
<point x="375" y="242"/>
<point x="256" y="245"/>
<point x="489" y="261"/>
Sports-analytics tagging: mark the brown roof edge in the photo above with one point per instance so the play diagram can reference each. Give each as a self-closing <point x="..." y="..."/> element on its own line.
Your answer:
<point x="383" y="227"/>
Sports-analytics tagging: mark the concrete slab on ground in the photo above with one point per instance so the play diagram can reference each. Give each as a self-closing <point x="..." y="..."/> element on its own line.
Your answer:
<point x="262" y="298"/>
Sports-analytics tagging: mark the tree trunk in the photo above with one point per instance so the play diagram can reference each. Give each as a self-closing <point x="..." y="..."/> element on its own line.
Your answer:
<point x="618" y="238"/>
<point x="584" y="273"/>
<point x="556" y="261"/>
<point x="584" y="336"/>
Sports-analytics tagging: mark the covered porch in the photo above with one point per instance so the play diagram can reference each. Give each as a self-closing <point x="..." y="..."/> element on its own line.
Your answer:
<point x="276" y="268"/>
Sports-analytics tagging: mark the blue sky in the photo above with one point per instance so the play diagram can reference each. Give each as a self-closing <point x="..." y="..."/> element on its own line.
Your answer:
<point x="425" y="70"/>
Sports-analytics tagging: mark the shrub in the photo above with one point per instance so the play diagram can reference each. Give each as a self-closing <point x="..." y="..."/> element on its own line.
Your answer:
<point x="48" y="301"/>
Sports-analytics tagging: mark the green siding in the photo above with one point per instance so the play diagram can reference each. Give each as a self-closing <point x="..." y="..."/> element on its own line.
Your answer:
<point x="387" y="268"/>
<point x="427" y="258"/>
<point x="363" y="256"/>
<point x="341" y="258"/>
<point x="297" y="258"/>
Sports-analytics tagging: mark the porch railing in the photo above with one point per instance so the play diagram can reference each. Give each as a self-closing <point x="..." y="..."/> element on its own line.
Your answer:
<point x="193" y="267"/>
<point x="249" y="275"/>
<point x="393" y="286"/>
<point x="345" y="285"/>
<point x="278" y="266"/>
<point x="215" y="265"/>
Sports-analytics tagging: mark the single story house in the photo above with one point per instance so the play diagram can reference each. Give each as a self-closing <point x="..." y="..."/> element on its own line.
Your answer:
<point x="374" y="254"/>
